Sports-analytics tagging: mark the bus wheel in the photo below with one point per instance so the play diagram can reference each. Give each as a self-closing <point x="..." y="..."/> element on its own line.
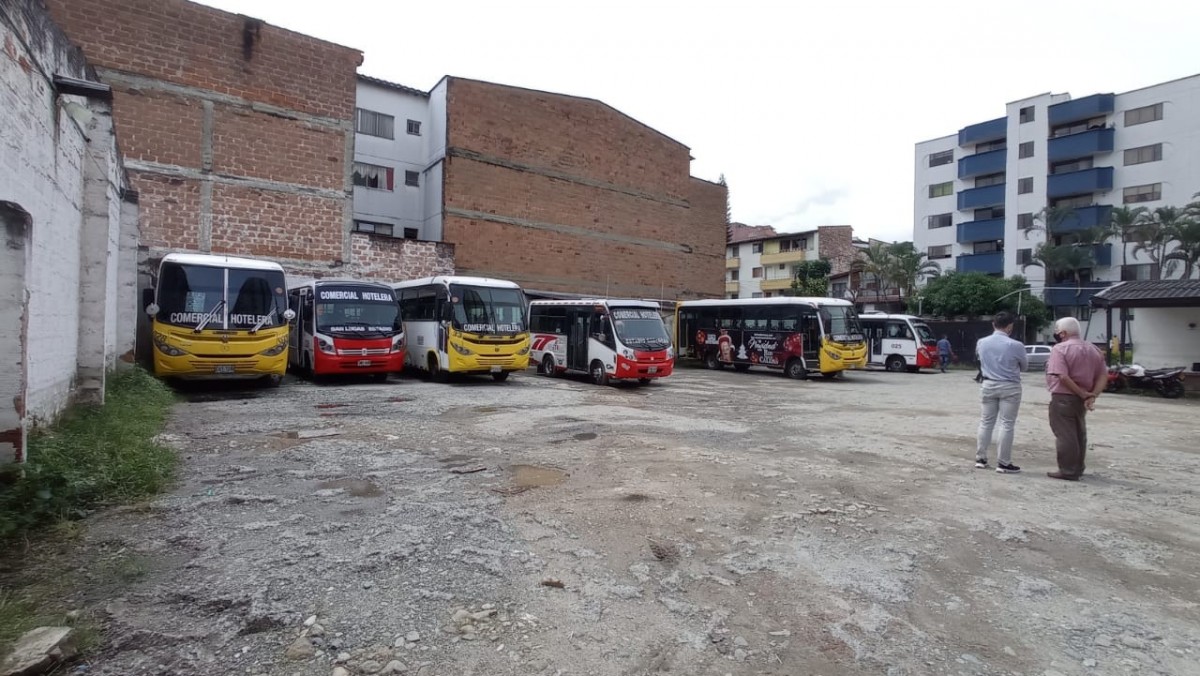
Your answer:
<point x="271" y="381"/>
<point x="895" y="363"/>
<point x="500" y="377"/>
<point x="436" y="373"/>
<point x="711" y="361"/>
<point x="381" y="377"/>
<point x="795" y="369"/>
<point x="830" y="375"/>
<point x="644" y="381"/>
<point x="599" y="376"/>
<point x="548" y="365"/>
<point x="741" y="367"/>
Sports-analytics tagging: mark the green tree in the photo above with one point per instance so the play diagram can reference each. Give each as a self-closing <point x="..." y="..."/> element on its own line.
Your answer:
<point x="1122" y="226"/>
<point x="1155" y="234"/>
<point x="910" y="267"/>
<point x="876" y="261"/>
<point x="974" y="294"/>
<point x="1063" y="261"/>
<point x="811" y="278"/>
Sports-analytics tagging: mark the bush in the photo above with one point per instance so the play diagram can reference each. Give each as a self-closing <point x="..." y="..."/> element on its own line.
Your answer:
<point x="93" y="456"/>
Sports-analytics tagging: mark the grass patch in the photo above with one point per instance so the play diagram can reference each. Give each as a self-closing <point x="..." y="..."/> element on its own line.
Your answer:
<point x="93" y="456"/>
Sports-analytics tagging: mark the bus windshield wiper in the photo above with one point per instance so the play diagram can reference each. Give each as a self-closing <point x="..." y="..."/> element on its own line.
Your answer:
<point x="262" y="321"/>
<point x="212" y="314"/>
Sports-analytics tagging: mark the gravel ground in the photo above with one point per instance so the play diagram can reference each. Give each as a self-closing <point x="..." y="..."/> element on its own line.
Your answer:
<point x="713" y="523"/>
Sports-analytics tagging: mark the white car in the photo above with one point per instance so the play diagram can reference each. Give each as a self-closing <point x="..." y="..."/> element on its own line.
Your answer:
<point x="1037" y="355"/>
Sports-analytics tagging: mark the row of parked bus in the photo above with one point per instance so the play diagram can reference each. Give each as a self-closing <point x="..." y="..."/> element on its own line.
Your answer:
<point x="224" y="317"/>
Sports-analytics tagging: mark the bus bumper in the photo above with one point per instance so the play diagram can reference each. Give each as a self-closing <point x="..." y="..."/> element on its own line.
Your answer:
<point x="221" y="368"/>
<point x="475" y="364"/>
<point x="638" y="370"/>
<point x="330" y="365"/>
<point x="836" y="357"/>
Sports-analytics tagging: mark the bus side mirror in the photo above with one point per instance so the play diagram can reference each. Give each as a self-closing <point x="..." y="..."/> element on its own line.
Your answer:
<point x="289" y="314"/>
<point x="152" y="310"/>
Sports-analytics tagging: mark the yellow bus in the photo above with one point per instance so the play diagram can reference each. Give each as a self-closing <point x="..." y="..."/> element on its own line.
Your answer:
<point x="469" y="325"/>
<point x="219" y="317"/>
<point x="797" y="334"/>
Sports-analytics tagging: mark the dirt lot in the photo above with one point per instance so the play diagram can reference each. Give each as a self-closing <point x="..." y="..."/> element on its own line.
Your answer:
<point x="714" y="523"/>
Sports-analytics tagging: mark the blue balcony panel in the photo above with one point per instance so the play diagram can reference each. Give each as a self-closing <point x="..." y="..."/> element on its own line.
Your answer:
<point x="987" y="263"/>
<point x="1066" y="293"/>
<point x="1103" y="255"/>
<point x="986" y="230"/>
<point x="1096" y="179"/>
<point x="1081" y="109"/>
<point x="978" y="198"/>
<point x="1083" y="218"/>
<point x="992" y="130"/>
<point x="989" y="162"/>
<point x="1083" y="144"/>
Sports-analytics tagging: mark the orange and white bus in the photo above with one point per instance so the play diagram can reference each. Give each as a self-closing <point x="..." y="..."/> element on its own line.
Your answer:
<point x="606" y="339"/>
<point x="899" y="342"/>
<point x="346" y="327"/>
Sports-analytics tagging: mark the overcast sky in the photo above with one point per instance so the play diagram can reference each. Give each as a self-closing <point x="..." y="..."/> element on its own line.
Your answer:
<point x="809" y="109"/>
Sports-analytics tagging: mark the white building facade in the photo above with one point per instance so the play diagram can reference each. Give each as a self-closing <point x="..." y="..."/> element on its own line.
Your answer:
<point x="399" y="147"/>
<point x="762" y="268"/>
<point x="980" y="194"/>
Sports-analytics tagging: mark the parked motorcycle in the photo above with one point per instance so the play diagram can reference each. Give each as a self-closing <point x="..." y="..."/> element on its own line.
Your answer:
<point x="1166" y="382"/>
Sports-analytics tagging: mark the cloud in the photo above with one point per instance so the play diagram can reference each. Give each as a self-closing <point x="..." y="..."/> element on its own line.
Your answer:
<point x="795" y="215"/>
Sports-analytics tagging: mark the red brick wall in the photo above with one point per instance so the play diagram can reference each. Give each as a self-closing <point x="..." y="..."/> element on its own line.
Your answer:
<point x="246" y="143"/>
<point x="168" y="211"/>
<point x="395" y="260"/>
<point x="159" y="127"/>
<point x="836" y="242"/>
<point x="588" y="199"/>
<point x="270" y="224"/>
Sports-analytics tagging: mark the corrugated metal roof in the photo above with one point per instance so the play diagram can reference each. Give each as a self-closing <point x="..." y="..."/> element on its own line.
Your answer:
<point x="1164" y="293"/>
<point x="392" y="85"/>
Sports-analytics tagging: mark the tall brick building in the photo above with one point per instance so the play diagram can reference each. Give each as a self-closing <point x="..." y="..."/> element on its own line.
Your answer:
<point x="559" y="193"/>
<point x="237" y="135"/>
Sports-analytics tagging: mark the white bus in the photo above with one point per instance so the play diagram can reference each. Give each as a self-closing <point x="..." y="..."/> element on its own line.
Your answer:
<point x="606" y="339"/>
<point x="470" y="325"/>
<point x="899" y="342"/>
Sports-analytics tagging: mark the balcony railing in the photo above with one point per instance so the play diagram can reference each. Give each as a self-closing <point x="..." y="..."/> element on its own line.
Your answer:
<point x="981" y="231"/>
<point x="989" y="162"/>
<point x="1081" y="109"/>
<point x="1083" y="144"/>
<point x="1096" y="179"/>
<point x="731" y="287"/>
<point x="1082" y="218"/>
<point x="978" y="198"/>
<point x="989" y="263"/>
<point x="776" y="284"/>
<point x="992" y="130"/>
<point x="793" y="256"/>
<point x="1066" y="293"/>
<point x="733" y="263"/>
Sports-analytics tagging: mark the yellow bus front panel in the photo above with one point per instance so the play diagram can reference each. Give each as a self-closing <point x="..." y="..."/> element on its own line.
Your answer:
<point x="180" y="352"/>
<point x="841" y="356"/>
<point x="470" y="353"/>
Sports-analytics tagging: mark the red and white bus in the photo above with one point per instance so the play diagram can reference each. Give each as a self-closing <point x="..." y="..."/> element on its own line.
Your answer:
<point x="606" y="339"/>
<point x="899" y="342"/>
<point x="346" y="327"/>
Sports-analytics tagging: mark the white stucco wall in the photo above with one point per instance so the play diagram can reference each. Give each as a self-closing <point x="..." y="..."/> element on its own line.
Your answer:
<point x="1165" y="337"/>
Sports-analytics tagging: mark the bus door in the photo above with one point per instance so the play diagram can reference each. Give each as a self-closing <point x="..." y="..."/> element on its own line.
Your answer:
<point x="577" y="342"/>
<point x="810" y="327"/>
<point x="875" y="335"/>
<point x="294" y="340"/>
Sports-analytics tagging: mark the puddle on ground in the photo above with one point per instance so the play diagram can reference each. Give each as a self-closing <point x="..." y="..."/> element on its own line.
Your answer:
<point x="584" y="436"/>
<point x="486" y="409"/>
<point x="359" y="488"/>
<point x="533" y="476"/>
<point x="330" y="405"/>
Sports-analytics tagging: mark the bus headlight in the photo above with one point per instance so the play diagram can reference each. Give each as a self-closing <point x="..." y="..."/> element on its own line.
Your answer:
<point x="325" y="345"/>
<point x="461" y="350"/>
<point x="160" y="342"/>
<point x="670" y="353"/>
<point x="280" y="346"/>
<point x="628" y="353"/>
<point x="398" y="342"/>
<point x="524" y="350"/>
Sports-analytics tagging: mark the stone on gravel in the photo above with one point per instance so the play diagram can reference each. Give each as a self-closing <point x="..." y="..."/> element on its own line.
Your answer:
<point x="1130" y="641"/>
<point x="312" y="619"/>
<point x="370" y="667"/>
<point x="38" y="650"/>
<point x="340" y="671"/>
<point x="395" y="667"/>
<point x="316" y="630"/>
<point x="299" y="650"/>
<point x="412" y="636"/>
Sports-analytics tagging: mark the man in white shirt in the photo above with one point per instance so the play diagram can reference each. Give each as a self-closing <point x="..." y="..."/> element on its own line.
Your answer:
<point x="1001" y="360"/>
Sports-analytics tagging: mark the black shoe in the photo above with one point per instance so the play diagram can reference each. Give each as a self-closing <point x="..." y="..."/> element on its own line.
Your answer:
<point x="1060" y="475"/>
<point x="981" y="464"/>
<point x="1007" y="469"/>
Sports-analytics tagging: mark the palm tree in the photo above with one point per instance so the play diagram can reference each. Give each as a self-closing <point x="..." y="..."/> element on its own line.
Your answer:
<point x="1122" y="225"/>
<point x="1185" y="233"/>
<point x="1154" y="236"/>
<point x="910" y="267"/>
<point x="876" y="260"/>
<point x="1063" y="260"/>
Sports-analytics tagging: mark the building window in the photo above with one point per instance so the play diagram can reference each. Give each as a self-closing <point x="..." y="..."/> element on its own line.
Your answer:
<point x="943" y="251"/>
<point x="989" y="179"/>
<point x="988" y="212"/>
<point x="839" y="289"/>
<point x="1143" y="272"/>
<point x="733" y="275"/>
<point x="411" y="233"/>
<point x="372" y="123"/>
<point x="1143" y="115"/>
<point x="940" y="221"/>
<point x="1073" y="202"/>
<point x="1144" y="154"/>
<point x="1024" y="186"/>
<point x="384" y="229"/>
<point x="414" y="127"/>
<point x="1026" y="114"/>
<point x="941" y="189"/>
<point x="1073" y="165"/>
<point x="412" y="178"/>
<point x="990" y="146"/>
<point x="756" y="273"/>
<point x="800" y="244"/>
<point x="988" y="247"/>
<point x="944" y="157"/>
<point x="373" y="176"/>
<point x="1143" y="193"/>
<point x="1098" y="122"/>
<point x="1025" y="149"/>
<point x="731" y="252"/>
<point x="756" y="294"/>
<point x="756" y="247"/>
<point x="1024" y="221"/>
<point x="1024" y="256"/>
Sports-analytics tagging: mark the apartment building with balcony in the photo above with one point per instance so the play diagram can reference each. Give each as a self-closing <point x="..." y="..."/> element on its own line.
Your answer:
<point x="760" y="263"/>
<point x="980" y="194"/>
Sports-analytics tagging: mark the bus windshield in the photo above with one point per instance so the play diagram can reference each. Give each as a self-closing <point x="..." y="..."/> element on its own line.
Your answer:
<point x="481" y="309"/>
<point x="841" y="323"/>
<point x="925" y="333"/>
<point x="356" y="311"/>
<point x="201" y="296"/>
<point x="640" y="328"/>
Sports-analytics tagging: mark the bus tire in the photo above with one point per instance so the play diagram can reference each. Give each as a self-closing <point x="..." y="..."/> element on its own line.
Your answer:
<point x="914" y="369"/>
<point x="830" y="375"/>
<point x="712" y="361"/>
<point x="795" y="369"/>
<point x="381" y="377"/>
<point x="741" y="367"/>
<point x="895" y="363"/>
<point x="500" y="377"/>
<point x="644" y="381"/>
<point x="436" y="373"/>
<point x="548" y="367"/>
<point x="272" y="381"/>
<point x="598" y="374"/>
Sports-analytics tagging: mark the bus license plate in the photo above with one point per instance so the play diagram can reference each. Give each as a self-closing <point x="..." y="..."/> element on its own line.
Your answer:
<point x="224" y="369"/>
<point x="364" y="362"/>
<point x="496" y="369"/>
<point x="652" y="369"/>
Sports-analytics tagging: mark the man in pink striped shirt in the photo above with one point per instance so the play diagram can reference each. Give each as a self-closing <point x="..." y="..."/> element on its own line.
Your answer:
<point x="1076" y="375"/>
